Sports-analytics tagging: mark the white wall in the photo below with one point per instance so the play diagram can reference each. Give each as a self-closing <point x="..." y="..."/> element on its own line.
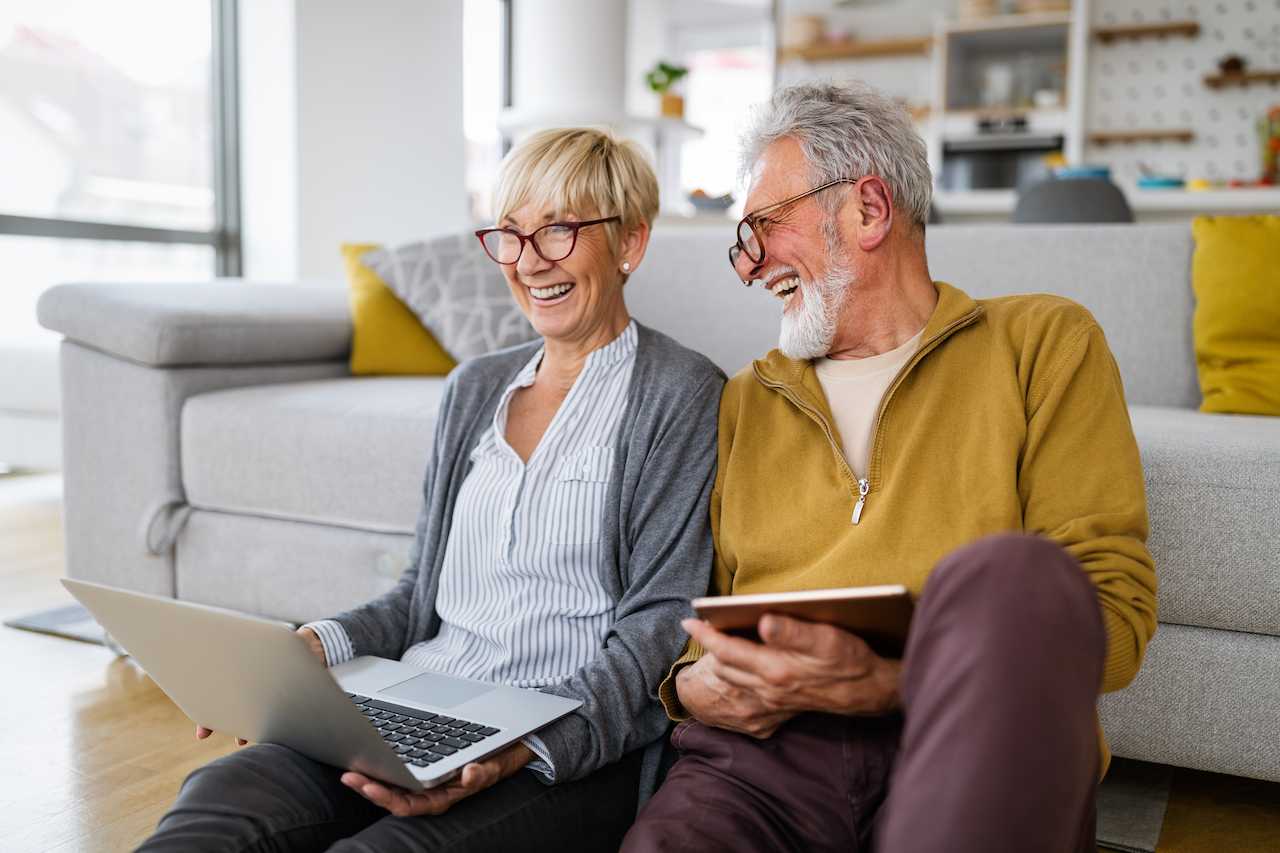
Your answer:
<point x="351" y="129"/>
<point x="569" y="61"/>
<point x="269" y="140"/>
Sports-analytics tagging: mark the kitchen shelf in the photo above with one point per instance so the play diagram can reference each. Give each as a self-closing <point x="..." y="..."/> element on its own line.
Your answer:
<point x="1126" y="137"/>
<point x="834" y="51"/>
<point x="998" y="23"/>
<point x="1242" y="79"/>
<point x="1106" y="35"/>
<point x="1005" y="112"/>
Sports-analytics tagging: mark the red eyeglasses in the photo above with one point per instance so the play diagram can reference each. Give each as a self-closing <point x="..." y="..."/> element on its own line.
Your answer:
<point x="553" y="242"/>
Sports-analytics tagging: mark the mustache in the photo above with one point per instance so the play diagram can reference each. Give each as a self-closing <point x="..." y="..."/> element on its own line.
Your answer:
<point x="774" y="275"/>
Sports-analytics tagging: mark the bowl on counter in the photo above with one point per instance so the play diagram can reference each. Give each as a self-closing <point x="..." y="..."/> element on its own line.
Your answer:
<point x="710" y="203"/>
<point x="1069" y="173"/>
<point x="1159" y="182"/>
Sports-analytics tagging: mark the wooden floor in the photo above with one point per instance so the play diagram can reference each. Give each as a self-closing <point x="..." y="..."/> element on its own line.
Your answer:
<point x="93" y="752"/>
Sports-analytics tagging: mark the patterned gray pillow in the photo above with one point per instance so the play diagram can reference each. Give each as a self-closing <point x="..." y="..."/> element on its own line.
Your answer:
<point x="457" y="293"/>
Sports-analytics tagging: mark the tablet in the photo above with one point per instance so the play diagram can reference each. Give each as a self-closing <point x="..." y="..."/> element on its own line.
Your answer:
<point x="880" y="615"/>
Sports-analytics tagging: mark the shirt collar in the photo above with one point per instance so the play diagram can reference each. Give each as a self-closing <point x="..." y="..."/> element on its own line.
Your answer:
<point x="616" y="350"/>
<point x="611" y="353"/>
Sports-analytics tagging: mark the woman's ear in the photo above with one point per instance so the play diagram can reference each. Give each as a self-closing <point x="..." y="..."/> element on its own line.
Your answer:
<point x="632" y="248"/>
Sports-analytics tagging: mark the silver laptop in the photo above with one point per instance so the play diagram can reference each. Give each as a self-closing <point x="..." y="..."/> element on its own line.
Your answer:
<point x="256" y="679"/>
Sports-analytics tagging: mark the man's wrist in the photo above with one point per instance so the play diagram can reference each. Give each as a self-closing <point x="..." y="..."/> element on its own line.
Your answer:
<point x="893" y="675"/>
<point x="684" y="692"/>
<point x="885" y="697"/>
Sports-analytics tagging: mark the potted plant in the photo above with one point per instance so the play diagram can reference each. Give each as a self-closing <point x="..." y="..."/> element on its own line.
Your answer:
<point x="660" y="80"/>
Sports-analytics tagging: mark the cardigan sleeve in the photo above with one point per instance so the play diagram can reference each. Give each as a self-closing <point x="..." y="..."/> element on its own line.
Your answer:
<point x="669" y="536"/>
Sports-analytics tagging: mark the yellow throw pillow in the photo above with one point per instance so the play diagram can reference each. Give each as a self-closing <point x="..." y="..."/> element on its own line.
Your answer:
<point x="1235" y="274"/>
<point x="386" y="337"/>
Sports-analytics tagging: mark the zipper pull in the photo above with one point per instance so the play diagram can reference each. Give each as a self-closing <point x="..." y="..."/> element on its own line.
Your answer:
<point x="864" y="486"/>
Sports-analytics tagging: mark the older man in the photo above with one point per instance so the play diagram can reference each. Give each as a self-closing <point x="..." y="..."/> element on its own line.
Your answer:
<point x="978" y="452"/>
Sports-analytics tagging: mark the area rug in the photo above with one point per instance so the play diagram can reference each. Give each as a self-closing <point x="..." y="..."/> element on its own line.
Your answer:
<point x="71" y="621"/>
<point x="1131" y="805"/>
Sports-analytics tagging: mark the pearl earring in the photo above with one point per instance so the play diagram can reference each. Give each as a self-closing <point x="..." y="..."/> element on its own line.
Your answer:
<point x="626" y="266"/>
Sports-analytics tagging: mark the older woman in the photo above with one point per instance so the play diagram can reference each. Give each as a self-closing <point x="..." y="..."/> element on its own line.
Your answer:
<point x="563" y="530"/>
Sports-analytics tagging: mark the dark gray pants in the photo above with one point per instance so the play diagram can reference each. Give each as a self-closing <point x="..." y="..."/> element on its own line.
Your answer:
<point x="270" y="798"/>
<point x="998" y="751"/>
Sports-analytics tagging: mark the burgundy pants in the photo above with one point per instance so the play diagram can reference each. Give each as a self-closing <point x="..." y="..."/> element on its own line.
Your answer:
<point x="997" y="747"/>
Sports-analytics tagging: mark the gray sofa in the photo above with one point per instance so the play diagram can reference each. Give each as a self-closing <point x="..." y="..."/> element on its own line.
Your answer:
<point x="217" y="450"/>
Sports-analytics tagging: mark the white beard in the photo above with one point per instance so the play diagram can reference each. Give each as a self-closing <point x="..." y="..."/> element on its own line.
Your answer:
<point x="807" y="333"/>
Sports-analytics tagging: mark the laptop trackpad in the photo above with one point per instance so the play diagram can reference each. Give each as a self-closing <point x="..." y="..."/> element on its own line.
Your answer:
<point x="439" y="690"/>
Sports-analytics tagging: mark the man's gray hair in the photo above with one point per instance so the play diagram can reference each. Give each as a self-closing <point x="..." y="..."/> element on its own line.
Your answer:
<point x="847" y="130"/>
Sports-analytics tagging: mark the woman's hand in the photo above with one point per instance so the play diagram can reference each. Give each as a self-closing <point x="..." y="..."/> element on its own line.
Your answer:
<point x="202" y="733"/>
<point x="475" y="777"/>
<point x="317" y="649"/>
<point x="314" y="644"/>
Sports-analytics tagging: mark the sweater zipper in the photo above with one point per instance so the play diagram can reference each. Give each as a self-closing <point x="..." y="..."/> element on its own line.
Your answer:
<point x="864" y="483"/>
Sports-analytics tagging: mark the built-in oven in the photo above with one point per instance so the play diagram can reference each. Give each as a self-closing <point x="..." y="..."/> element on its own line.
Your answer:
<point x="1001" y="159"/>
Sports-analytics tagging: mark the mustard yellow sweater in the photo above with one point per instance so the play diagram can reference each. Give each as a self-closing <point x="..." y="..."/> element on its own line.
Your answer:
<point x="1011" y="416"/>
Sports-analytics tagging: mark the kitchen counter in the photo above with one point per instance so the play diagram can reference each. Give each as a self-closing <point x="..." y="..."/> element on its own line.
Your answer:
<point x="1148" y="205"/>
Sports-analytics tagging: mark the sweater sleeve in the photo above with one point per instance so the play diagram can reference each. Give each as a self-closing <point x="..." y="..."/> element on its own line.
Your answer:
<point x="670" y="558"/>
<point x="1080" y="482"/>
<point x="381" y="627"/>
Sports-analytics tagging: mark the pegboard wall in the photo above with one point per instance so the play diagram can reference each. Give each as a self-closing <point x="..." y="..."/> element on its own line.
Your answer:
<point x="1158" y="83"/>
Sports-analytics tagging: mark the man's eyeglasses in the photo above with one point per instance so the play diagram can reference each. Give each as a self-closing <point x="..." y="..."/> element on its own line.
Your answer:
<point x="751" y="227"/>
<point x="553" y="241"/>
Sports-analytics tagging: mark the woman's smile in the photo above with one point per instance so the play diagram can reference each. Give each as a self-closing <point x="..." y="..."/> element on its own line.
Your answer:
<point x="551" y="294"/>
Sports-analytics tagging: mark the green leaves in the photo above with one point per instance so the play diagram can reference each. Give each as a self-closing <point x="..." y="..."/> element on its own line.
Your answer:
<point x="664" y="76"/>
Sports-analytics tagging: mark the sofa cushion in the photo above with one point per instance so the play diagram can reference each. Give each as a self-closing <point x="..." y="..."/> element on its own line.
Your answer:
<point x="387" y="338"/>
<point x="1213" y="491"/>
<point x="286" y="570"/>
<point x="1236" y="276"/>
<point x="220" y="322"/>
<point x="458" y="293"/>
<point x="347" y="452"/>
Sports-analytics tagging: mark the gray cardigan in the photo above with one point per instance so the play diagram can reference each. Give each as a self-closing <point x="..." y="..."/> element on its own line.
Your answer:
<point x="656" y="527"/>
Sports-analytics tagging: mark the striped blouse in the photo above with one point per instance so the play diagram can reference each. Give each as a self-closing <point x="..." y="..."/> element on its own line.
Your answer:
<point x="522" y="599"/>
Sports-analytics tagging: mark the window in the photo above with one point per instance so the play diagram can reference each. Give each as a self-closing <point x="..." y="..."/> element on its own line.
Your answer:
<point x="728" y="50"/>
<point x="724" y="84"/>
<point x="117" y="152"/>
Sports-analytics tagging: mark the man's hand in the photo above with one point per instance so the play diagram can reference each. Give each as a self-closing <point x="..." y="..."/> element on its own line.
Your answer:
<point x="801" y="666"/>
<point x="716" y="702"/>
<point x="475" y="777"/>
<point x="317" y="649"/>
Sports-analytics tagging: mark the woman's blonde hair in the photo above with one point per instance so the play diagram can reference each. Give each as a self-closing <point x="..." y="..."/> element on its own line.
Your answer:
<point x="583" y="171"/>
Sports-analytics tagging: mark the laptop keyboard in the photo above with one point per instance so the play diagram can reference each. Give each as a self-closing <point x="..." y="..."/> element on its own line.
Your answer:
<point x="420" y="737"/>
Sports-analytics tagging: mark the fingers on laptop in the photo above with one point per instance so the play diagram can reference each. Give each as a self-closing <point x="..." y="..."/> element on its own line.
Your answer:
<point x="202" y="733"/>
<point x="401" y="803"/>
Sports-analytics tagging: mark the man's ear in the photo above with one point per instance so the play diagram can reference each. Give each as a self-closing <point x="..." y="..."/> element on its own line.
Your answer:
<point x="873" y="219"/>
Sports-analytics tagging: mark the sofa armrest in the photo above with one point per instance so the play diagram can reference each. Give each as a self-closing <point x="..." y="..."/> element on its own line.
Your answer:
<point x="217" y="322"/>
